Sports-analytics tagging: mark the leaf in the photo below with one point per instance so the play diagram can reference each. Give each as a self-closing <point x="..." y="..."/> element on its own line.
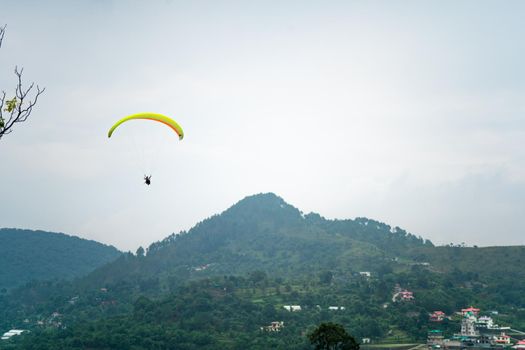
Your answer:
<point x="11" y="104"/>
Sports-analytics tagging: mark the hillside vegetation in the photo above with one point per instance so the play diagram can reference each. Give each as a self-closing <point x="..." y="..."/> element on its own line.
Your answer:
<point x="216" y="285"/>
<point x="27" y="255"/>
<point x="263" y="232"/>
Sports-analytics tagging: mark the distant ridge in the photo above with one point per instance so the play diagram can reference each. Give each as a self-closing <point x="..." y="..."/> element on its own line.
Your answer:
<point x="27" y="255"/>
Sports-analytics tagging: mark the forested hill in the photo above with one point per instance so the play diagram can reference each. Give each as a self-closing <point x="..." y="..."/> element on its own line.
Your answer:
<point x="263" y="232"/>
<point x="216" y="285"/>
<point x="27" y="255"/>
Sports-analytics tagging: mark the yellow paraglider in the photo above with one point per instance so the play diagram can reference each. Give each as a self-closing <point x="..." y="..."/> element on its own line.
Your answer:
<point x="150" y="116"/>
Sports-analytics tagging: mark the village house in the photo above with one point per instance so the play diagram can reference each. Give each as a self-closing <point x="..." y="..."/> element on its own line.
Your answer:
<point x="437" y="316"/>
<point x="12" y="333"/>
<point x="406" y="295"/>
<point x="275" y="326"/>
<point x="401" y="294"/>
<point x="519" y="345"/>
<point x="336" y="308"/>
<point x="471" y="309"/>
<point x="468" y="326"/>
<point x="366" y="274"/>
<point x="435" y="338"/>
<point x="202" y="267"/>
<point x="365" y="341"/>
<point x="485" y="322"/>
<point x="292" y="307"/>
<point x="502" y="339"/>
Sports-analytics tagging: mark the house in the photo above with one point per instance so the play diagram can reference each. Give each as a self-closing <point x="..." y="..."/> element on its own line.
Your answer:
<point x="468" y="326"/>
<point x="485" y="322"/>
<point x="519" y="345"/>
<point x="437" y="316"/>
<point x="502" y="338"/>
<point x="292" y="308"/>
<point x="366" y="274"/>
<point x="275" y="326"/>
<point x="402" y="294"/>
<point x="435" y="338"/>
<point x="471" y="309"/>
<point x="12" y="333"/>
<point x="202" y="267"/>
<point x="365" y="341"/>
<point x="406" y="295"/>
<point x="336" y="308"/>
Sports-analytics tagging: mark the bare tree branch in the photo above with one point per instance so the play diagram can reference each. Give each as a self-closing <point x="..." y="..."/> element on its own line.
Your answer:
<point x="19" y="108"/>
<point x="2" y="32"/>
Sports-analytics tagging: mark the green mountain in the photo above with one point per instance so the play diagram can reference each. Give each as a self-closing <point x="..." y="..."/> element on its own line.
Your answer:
<point x="263" y="232"/>
<point x="216" y="285"/>
<point x="27" y="255"/>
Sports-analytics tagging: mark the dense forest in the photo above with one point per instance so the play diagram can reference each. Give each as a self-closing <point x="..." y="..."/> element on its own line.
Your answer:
<point x="27" y="255"/>
<point x="222" y="284"/>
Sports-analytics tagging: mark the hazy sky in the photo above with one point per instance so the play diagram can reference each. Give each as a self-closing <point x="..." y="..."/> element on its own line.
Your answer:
<point x="408" y="112"/>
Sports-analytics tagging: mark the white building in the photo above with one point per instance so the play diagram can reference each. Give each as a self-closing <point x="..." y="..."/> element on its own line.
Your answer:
<point x="485" y="322"/>
<point x="502" y="339"/>
<point x="468" y="326"/>
<point x="12" y="333"/>
<point x="336" y="308"/>
<point x="292" y="307"/>
<point x="275" y="326"/>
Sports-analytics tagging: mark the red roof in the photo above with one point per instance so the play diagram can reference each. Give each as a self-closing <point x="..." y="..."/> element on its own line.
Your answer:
<point x="438" y="313"/>
<point x="470" y="309"/>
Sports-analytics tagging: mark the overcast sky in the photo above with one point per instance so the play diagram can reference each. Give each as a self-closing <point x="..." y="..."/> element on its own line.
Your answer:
<point x="407" y="112"/>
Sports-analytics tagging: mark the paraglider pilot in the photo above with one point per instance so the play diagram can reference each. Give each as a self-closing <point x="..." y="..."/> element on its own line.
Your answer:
<point x="147" y="180"/>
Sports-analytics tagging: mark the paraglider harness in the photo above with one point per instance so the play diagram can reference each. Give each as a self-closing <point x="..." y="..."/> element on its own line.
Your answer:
<point x="147" y="180"/>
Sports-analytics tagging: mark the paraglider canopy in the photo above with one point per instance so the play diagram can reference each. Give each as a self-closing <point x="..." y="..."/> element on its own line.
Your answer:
<point x="154" y="150"/>
<point x="150" y="116"/>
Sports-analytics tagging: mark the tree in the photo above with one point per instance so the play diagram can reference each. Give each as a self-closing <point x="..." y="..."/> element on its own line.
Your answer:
<point x="258" y="276"/>
<point x="140" y="252"/>
<point x="18" y="108"/>
<point x="332" y="336"/>
<point x="326" y="277"/>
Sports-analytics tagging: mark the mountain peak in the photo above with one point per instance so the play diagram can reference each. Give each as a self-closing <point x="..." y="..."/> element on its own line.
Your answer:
<point x="268" y="198"/>
<point x="263" y="202"/>
<point x="264" y="206"/>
